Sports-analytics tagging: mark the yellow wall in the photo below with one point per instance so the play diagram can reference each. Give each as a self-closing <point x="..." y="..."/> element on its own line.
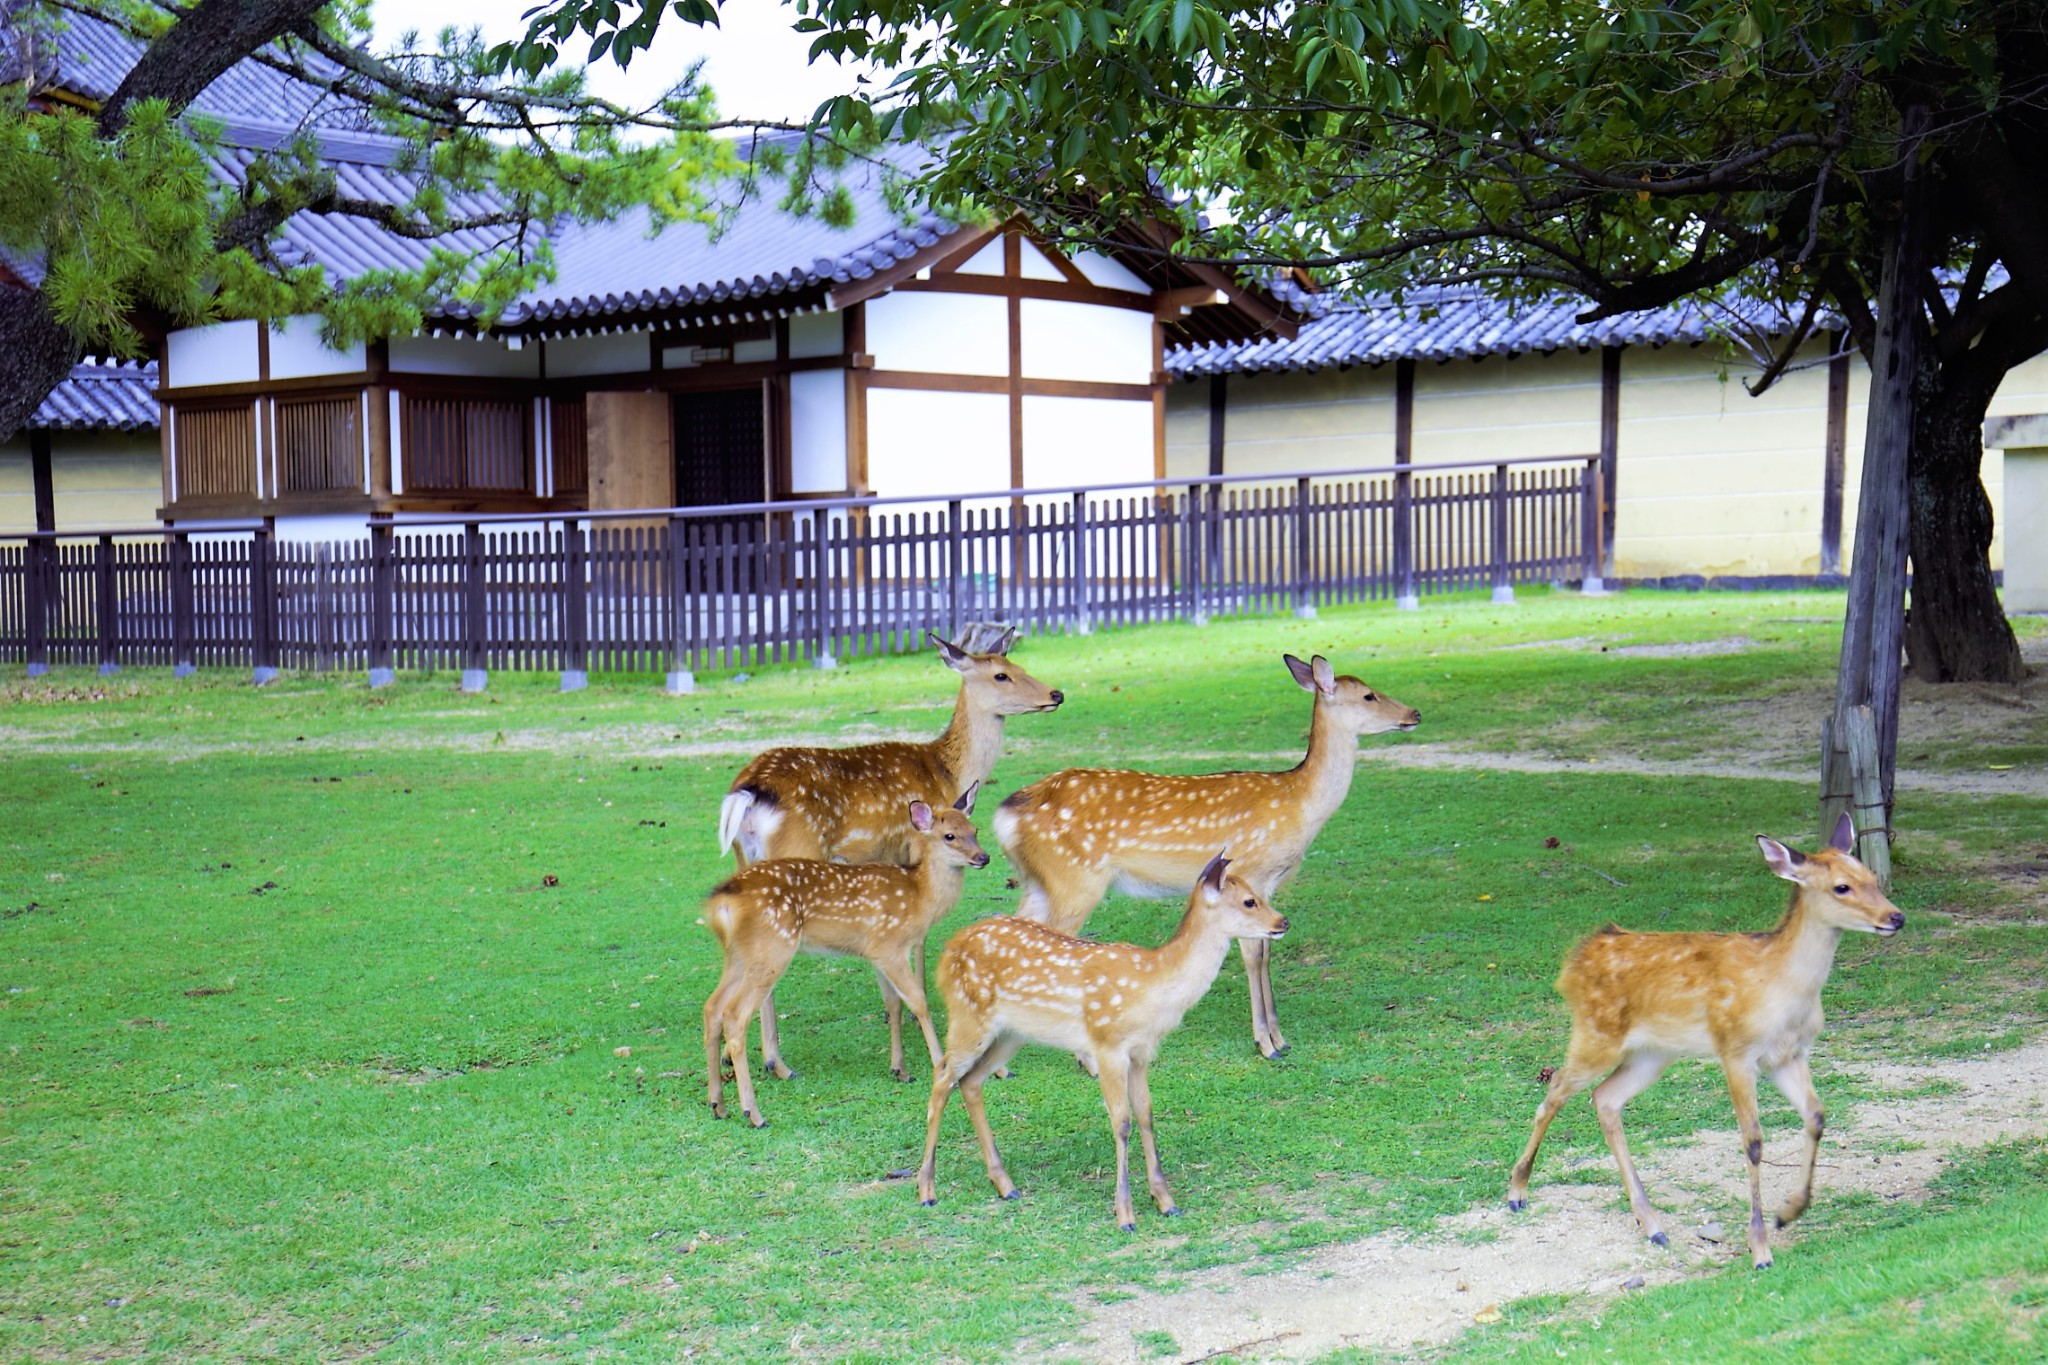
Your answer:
<point x="1711" y="480"/>
<point x="100" y="479"/>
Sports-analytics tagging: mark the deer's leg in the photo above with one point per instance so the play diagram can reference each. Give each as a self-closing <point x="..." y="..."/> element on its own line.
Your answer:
<point x="909" y="990"/>
<point x="1114" y="1071"/>
<point x="989" y="1062"/>
<point x="965" y="1044"/>
<point x="741" y="1005"/>
<point x="714" y="1027"/>
<point x="771" y="1041"/>
<point x="1582" y="1063"/>
<point x="1629" y="1080"/>
<point x="1258" y="956"/>
<point x="1141" y="1110"/>
<point x="1742" y="1089"/>
<point x="892" y="1006"/>
<point x="1795" y="1080"/>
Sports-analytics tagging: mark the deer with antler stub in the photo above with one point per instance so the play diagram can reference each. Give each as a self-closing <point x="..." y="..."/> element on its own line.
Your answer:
<point x="848" y="804"/>
<point x="767" y="913"/>
<point x="1009" y="981"/>
<point x="1748" y="1001"/>
<point x="1075" y="834"/>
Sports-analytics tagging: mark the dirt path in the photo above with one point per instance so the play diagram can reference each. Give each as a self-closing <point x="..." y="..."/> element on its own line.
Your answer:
<point x="1397" y="1290"/>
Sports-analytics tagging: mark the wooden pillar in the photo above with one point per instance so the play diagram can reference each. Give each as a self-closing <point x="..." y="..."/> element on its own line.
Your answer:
<point x="1219" y="402"/>
<point x="1013" y="270"/>
<point x="377" y="422"/>
<point x="858" y="364"/>
<point x="1610" y="449"/>
<point x="41" y="476"/>
<point x="1837" y="457"/>
<point x="1158" y="399"/>
<point x="1406" y="595"/>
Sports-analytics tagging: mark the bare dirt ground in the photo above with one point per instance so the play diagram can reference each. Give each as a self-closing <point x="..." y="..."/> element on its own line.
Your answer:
<point x="1399" y="1290"/>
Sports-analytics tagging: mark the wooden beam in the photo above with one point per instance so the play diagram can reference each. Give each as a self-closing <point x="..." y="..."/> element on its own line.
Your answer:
<point x="1013" y="272"/>
<point x="1836" y="457"/>
<point x="1169" y="304"/>
<point x="1158" y="399"/>
<point x="1000" y="384"/>
<point x="1610" y="448"/>
<point x="1404" y="411"/>
<point x="858" y="378"/>
<point x="1017" y="286"/>
<point x="903" y="272"/>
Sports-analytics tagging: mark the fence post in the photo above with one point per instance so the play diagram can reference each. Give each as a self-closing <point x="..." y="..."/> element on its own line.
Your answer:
<point x="106" y="607"/>
<point x="1194" y="560"/>
<point x="263" y="605"/>
<point x="1503" y="586"/>
<point x="475" y="676"/>
<point x="1405" y="595"/>
<point x="681" y="680"/>
<point x="1594" y="525"/>
<point x="383" y="605"/>
<point x="575" y="608"/>
<point x="1077" y="566"/>
<point x="953" y="568"/>
<point x="324" y="631"/>
<point x="184" y="662"/>
<point x="36" y="575"/>
<point x="1304" y="609"/>
<point x="821" y="628"/>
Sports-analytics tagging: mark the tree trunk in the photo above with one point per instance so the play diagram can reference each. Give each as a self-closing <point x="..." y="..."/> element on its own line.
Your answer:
<point x="36" y="355"/>
<point x="1956" y="631"/>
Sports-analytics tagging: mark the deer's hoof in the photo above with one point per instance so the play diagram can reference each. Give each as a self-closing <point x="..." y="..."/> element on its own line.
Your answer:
<point x="1659" y="1239"/>
<point x="1764" y="1264"/>
<point x="1172" y="1211"/>
<point x="757" y="1120"/>
<point x="1128" y="1227"/>
<point x="1517" y="1205"/>
<point x="927" y="1203"/>
<point x="718" y="1111"/>
<point x="1011" y="1194"/>
<point x="785" y="1075"/>
<point x="899" y="1073"/>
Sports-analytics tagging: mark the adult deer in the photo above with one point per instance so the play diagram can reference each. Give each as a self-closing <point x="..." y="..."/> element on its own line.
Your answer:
<point x="1639" y="1001"/>
<point x="848" y="804"/>
<point x="1008" y="981"/>
<point x="1073" y="835"/>
<point x="767" y="913"/>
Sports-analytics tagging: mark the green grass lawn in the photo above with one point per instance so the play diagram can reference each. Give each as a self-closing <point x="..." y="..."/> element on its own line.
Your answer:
<point x="304" y="1061"/>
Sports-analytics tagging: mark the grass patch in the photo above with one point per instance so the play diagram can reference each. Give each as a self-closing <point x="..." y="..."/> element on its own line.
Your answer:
<point x="311" y="996"/>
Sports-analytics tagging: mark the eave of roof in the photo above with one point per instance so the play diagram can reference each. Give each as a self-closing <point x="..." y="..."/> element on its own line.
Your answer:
<point x="102" y="396"/>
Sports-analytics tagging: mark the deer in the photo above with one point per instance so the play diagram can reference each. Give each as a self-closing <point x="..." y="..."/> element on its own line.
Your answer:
<point x="1073" y="835"/>
<point x="1008" y="981"/>
<point x="847" y="805"/>
<point x="1639" y="1001"/>
<point x="768" y="912"/>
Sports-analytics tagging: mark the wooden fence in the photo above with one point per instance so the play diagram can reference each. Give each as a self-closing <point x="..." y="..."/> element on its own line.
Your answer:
<point x="719" y="587"/>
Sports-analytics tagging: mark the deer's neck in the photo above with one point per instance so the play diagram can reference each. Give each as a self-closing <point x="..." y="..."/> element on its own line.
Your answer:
<point x="1187" y="965"/>
<point x="939" y="884"/>
<point x="1804" y="947"/>
<point x="1323" y="778"/>
<point x="971" y="744"/>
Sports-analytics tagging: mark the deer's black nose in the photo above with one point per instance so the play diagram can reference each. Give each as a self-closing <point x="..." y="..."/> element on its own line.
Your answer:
<point x="981" y="860"/>
<point x="1058" y="696"/>
<point x="1897" y="919"/>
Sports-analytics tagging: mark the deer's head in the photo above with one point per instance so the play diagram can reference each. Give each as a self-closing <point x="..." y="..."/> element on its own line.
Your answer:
<point x="1231" y="901"/>
<point x="948" y="833"/>
<point x="995" y="685"/>
<point x="1836" y="884"/>
<point x="1349" y="701"/>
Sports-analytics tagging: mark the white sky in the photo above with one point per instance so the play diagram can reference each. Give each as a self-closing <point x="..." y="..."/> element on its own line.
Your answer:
<point x="755" y="61"/>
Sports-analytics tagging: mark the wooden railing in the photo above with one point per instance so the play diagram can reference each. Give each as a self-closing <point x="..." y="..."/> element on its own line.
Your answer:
<point x="684" y="589"/>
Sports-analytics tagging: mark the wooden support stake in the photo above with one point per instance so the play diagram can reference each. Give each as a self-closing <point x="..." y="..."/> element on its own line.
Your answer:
<point x="263" y="605"/>
<point x="106" y="612"/>
<point x="1304" y="609"/>
<point x="184" y="662"/>
<point x="475" y="676"/>
<point x="383" y="605"/>
<point x="1503" y="587"/>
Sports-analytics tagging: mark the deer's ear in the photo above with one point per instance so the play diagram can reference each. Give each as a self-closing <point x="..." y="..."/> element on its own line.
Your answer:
<point x="1784" y="861"/>
<point x="1212" y="875"/>
<point x="1304" y="676"/>
<point x="1325" y="676"/>
<point x="965" y="805"/>
<point x="921" y="817"/>
<point x="1845" y="835"/>
<point x="955" y="657"/>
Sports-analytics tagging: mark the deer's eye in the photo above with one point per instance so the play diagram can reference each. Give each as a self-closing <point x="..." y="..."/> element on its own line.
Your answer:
<point x="1250" y="904"/>
<point x="1841" y="888"/>
<point x="1369" y="696"/>
<point x="1002" y="677"/>
<point x="949" y="838"/>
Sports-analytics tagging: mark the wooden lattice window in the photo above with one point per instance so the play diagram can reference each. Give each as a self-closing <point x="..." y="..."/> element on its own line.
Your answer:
<point x="720" y="442"/>
<point x="215" y="450"/>
<point x="569" y="438"/>
<point x="320" y="443"/>
<point x="466" y="444"/>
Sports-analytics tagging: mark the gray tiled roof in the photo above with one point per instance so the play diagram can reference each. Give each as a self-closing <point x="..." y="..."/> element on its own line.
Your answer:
<point x="1446" y="326"/>
<point x="102" y="396"/>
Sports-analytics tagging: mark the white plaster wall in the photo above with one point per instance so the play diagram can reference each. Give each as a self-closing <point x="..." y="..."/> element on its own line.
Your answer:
<point x="987" y="261"/>
<point x="463" y="355"/>
<point x="620" y="353"/>
<point x="297" y="352"/>
<point x="1033" y="264"/>
<point x="222" y="353"/>
<point x="1086" y="341"/>
<point x="761" y="348"/>
<point x="1070" y="441"/>
<point x="939" y="333"/>
<point x="99" y="478"/>
<point x="937" y="443"/>
<point x="817" y="421"/>
<point x="815" y="334"/>
<point x="1110" y="273"/>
